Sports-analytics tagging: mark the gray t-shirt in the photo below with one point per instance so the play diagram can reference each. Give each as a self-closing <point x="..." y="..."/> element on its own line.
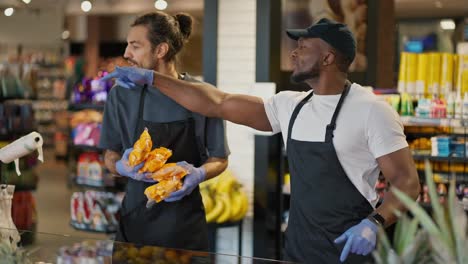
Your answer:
<point x="121" y="118"/>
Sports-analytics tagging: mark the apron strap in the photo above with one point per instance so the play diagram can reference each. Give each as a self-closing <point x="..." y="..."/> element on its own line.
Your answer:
<point x="331" y="127"/>
<point x="141" y="106"/>
<point x="296" y="112"/>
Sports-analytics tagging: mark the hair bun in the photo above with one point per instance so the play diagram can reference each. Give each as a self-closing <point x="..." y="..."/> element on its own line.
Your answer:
<point x="185" y="24"/>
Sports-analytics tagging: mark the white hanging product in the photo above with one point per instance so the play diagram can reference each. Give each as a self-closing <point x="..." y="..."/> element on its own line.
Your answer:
<point x="22" y="147"/>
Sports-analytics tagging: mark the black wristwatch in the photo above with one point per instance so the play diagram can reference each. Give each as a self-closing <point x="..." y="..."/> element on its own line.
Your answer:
<point x="377" y="219"/>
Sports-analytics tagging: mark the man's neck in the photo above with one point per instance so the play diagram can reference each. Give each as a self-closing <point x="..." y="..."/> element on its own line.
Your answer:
<point x="167" y="69"/>
<point x="328" y="84"/>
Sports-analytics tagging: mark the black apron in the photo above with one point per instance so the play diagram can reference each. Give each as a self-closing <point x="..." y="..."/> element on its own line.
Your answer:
<point x="179" y="224"/>
<point x="324" y="202"/>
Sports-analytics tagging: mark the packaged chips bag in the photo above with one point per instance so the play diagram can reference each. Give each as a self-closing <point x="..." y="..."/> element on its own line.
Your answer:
<point x="156" y="160"/>
<point x="141" y="149"/>
<point x="169" y="179"/>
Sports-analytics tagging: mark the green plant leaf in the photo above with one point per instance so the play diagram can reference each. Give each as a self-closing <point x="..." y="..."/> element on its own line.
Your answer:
<point x="418" y="212"/>
<point x="438" y="211"/>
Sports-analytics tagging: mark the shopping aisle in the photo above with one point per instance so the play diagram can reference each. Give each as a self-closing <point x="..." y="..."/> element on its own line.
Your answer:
<point x="53" y="199"/>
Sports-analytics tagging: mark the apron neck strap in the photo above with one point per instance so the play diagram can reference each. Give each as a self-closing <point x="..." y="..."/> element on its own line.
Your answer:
<point x="296" y="112"/>
<point x="331" y="127"/>
<point x="141" y="106"/>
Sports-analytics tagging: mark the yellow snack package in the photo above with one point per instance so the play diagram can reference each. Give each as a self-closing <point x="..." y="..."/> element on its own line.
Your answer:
<point x="141" y="149"/>
<point x="162" y="190"/>
<point x="169" y="171"/>
<point x="156" y="159"/>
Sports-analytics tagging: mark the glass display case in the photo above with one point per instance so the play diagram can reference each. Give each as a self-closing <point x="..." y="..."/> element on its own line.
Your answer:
<point x="66" y="249"/>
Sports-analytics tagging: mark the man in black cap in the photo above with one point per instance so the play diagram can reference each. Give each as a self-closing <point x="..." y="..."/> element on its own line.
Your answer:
<point x="339" y="137"/>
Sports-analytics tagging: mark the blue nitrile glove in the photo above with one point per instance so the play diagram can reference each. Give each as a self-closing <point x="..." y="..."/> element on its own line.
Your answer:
<point x="360" y="239"/>
<point x="191" y="181"/>
<point x="129" y="77"/>
<point x="126" y="170"/>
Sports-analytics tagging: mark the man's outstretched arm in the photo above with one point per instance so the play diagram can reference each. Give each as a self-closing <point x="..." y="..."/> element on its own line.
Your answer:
<point x="207" y="100"/>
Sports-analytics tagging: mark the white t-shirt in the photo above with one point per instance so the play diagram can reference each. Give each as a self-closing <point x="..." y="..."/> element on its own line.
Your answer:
<point x="366" y="129"/>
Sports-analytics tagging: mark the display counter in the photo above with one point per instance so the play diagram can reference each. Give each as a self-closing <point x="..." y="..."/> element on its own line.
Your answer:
<point x="66" y="249"/>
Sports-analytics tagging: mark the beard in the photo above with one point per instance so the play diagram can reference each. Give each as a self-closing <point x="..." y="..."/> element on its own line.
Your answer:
<point x="312" y="73"/>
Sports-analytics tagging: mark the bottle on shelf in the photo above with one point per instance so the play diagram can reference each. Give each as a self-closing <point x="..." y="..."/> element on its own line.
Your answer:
<point x="458" y="106"/>
<point x="465" y="106"/>
<point x="450" y="106"/>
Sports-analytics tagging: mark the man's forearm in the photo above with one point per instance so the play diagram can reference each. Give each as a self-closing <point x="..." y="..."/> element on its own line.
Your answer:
<point x="214" y="167"/>
<point x="202" y="98"/>
<point x="391" y="203"/>
<point x="110" y="158"/>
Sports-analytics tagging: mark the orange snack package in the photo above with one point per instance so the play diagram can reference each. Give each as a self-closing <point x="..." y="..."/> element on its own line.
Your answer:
<point x="169" y="171"/>
<point x="156" y="159"/>
<point x="163" y="189"/>
<point x="141" y="149"/>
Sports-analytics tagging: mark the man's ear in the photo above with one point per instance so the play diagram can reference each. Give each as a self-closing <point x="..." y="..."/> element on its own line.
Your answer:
<point x="161" y="50"/>
<point x="329" y="59"/>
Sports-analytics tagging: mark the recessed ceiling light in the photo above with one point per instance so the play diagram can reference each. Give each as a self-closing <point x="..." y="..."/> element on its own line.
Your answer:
<point x="447" y="24"/>
<point x="86" y="6"/>
<point x="160" y="4"/>
<point x="9" y="11"/>
<point x="438" y="4"/>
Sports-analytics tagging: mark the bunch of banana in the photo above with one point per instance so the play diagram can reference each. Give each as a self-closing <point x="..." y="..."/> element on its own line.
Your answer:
<point x="223" y="199"/>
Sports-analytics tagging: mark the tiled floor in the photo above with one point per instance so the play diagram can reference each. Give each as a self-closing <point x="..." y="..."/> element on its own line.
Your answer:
<point x="53" y="206"/>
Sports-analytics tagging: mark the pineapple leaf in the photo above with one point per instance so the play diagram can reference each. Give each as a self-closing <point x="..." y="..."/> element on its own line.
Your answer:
<point x="438" y="211"/>
<point x="418" y="212"/>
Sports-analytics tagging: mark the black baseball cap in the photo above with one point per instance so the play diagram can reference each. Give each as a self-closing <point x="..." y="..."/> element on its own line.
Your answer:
<point x="335" y="34"/>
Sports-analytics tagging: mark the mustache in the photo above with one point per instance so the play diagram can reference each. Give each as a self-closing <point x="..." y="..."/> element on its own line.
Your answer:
<point x="130" y="60"/>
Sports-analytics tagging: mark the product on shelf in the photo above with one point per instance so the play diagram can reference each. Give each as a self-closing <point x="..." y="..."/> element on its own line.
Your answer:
<point x="86" y="127"/>
<point x="95" y="211"/>
<point x="87" y="134"/>
<point x="91" y="90"/>
<point x="224" y="199"/>
<point x="128" y="253"/>
<point x="427" y="74"/>
<point x="90" y="252"/>
<point x="90" y="170"/>
<point x="24" y="210"/>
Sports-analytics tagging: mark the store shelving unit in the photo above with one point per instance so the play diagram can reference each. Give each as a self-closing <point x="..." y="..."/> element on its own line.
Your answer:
<point x="108" y="183"/>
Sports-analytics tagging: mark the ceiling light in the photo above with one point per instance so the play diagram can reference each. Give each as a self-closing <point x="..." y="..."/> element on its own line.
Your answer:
<point x="438" y="4"/>
<point x="65" y="34"/>
<point x="27" y="1"/>
<point x="9" y="11"/>
<point x="160" y="4"/>
<point x="447" y="24"/>
<point x="86" y="6"/>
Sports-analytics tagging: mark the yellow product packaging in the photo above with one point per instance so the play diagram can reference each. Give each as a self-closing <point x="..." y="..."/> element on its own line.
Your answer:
<point x="434" y="73"/>
<point x="456" y="66"/>
<point x="411" y="73"/>
<point x="446" y="77"/>
<point x="422" y="74"/>
<point x="156" y="159"/>
<point x="162" y="190"/>
<point x="141" y="149"/>
<point x="168" y="172"/>
<point x="463" y="74"/>
<point x="402" y="72"/>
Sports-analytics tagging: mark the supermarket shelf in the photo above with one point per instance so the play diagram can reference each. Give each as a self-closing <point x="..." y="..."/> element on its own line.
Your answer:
<point x="82" y="227"/>
<point x="440" y="122"/>
<point x="445" y="177"/>
<point x="85" y="148"/>
<point x="418" y="157"/>
<point x="78" y="107"/>
<point x="105" y="188"/>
